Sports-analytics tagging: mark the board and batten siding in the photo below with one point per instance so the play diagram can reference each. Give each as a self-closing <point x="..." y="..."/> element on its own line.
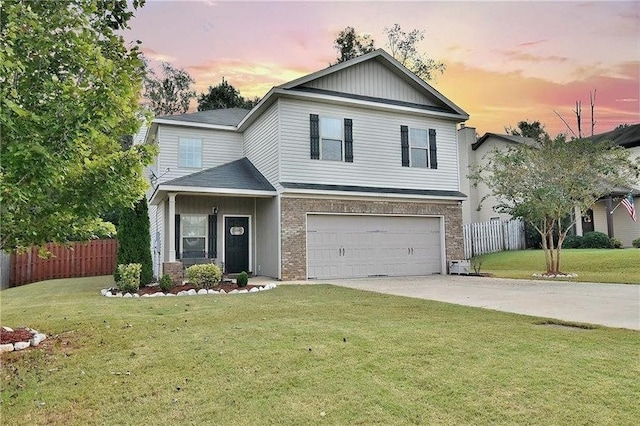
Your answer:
<point x="261" y="144"/>
<point x="218" y="147"/>
<point x="376" y="149"/>
<point x="371" y="78"/>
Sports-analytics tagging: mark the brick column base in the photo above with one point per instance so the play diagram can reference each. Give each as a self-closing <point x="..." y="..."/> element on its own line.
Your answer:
<point x="174" y="270"/>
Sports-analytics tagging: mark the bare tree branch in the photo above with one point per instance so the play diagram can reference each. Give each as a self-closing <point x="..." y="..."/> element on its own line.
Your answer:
<point x="565" y="123"/>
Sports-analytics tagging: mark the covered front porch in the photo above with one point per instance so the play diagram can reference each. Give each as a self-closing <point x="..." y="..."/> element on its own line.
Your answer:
<point x="226" y="215"/>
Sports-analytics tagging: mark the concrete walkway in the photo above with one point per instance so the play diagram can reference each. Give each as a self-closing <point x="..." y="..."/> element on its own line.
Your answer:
<point x="613" y="305"/>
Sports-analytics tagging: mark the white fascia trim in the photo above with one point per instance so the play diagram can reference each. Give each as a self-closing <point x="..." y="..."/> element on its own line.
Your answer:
<point x="193" y="124"/>
<point x="224" y="191"/>
<point x="317" y="193"/>
<point x="369" y="104"/>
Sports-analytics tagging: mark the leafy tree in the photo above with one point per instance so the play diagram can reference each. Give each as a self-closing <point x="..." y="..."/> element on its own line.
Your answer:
<point x="134" y="240"/>
<point x="534" y="130"/>
<point x="69" y="89"/>
<point x="168" y="94"/>
<point x="222" y="96"/>
<point x="542" y="183"/>
<point x="403" y="47"/>
<point x="351" y="45"/>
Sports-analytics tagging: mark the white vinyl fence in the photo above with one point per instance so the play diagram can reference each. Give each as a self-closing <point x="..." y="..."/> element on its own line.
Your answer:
<point x="493" y="236"/>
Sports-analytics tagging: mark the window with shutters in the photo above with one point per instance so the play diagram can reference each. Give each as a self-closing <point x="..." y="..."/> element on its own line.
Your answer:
<point x="418" y="147"/>
<point x="331" y="138"/>
<point x="194" y="236"/>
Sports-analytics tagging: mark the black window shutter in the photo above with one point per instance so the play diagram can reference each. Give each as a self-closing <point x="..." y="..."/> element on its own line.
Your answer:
<point x="348" y="140"/>
<point x="404" y="139"/>
<point x="314" y="122"/>
<point x="213" y="233"/>
<point x="177" y="236"/>
<point x="433" y="157"/>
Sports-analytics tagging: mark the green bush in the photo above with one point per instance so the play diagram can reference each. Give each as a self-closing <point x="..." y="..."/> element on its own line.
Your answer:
<point x="242" y="279"/>
<point x="166" y="283"/>
<point x="636" y="243"/>
<point x="134" y="240"/>
<point x="129" y="274"/>
<point x="596" y="240"/>
<point x="615" y="243"/>
<point x="203" y="276"/>
<point x="572" y="242"/>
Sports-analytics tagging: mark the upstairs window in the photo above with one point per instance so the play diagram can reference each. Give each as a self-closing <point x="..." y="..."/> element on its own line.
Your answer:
<point x="331" y="138"/>
<point x="190" y="153"/>
<point x="418" y="147"/>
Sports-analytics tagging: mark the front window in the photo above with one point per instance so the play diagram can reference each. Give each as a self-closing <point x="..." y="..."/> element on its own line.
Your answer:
<point x="190" y="153"/>
<point x="194" y="236"/>
<point x="418" y="142"/>
<point x="331" y="139"/>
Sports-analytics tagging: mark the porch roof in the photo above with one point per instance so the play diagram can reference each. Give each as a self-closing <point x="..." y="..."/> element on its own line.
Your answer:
<point x="237" y="178"/>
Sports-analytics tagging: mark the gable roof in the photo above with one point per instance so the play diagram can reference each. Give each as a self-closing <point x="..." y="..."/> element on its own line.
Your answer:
<point x="216" y="117"/>
<point x="239" y="177"/>
<point x="502" y="137"/>
<point x="628" y="137"/>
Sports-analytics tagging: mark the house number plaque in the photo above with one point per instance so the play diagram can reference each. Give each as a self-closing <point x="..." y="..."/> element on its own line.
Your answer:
<point x="236" y="230"/>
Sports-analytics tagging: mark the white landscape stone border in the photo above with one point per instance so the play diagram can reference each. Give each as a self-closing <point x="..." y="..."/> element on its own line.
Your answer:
<point x="202" y="292"/>
<point x="555" y="276"/>
<point x="35" y="340"/>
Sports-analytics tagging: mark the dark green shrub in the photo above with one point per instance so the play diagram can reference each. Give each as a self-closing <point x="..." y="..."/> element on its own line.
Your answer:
<point x="129" y="281"/>
<point x="134" y="240"/>
<point x="636" y="243"/>
<point x="572" y="242"/>
<point x="242" y="279"/>
<point x="615" y="243"/>
<point x="204" y="275"/>
<point x="596" y="239"/>
<point x="166" y="283"/>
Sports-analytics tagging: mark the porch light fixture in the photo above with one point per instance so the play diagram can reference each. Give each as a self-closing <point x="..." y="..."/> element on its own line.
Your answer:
<point x="214" y="210"/>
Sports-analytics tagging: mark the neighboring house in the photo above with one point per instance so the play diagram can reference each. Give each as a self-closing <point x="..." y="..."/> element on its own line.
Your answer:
<point x="474" y="150"/>
<point x="351" y="171"/>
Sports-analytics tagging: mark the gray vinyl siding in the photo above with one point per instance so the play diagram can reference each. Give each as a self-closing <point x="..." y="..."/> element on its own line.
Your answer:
<point x="371" y="78"/>
<point x="376" y="149"/>
<point x="261" y="144"/>
<point x="267" y="237"/>
<point x="624" y="228"/>
<point x="218" y="147"/>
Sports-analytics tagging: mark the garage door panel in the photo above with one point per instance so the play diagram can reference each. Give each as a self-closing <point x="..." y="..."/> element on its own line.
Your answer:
<point x="361" y="246"/>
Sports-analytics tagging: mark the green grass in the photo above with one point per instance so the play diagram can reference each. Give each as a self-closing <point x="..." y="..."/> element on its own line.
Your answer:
<point x="280" y="357"/>
<point x="591" y="265"/>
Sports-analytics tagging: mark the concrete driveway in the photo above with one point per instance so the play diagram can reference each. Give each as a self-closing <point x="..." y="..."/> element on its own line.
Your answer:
<point x="613" y="305"/>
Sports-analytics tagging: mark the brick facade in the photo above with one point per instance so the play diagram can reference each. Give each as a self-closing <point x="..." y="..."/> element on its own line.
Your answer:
<point x="174" y="270"/>
<point x="294" y="233"/>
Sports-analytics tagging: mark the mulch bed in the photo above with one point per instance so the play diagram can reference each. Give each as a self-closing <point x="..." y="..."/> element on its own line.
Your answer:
<point x="15" y="336"/>
<point x="227" y="287"/>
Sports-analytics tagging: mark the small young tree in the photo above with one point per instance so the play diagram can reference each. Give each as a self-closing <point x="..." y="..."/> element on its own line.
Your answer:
<point x="134" y="240"/>
<point x="544" y="182"/>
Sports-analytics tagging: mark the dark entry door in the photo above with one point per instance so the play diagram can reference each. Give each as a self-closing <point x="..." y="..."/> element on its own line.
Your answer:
<point x="236" y="244"/>
<point x="587" y="221"/>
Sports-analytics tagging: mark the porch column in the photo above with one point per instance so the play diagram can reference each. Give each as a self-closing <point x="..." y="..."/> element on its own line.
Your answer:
<point x="608" y="203"/>
<point x="578" y="215"/>
<point x="172" y="227"/>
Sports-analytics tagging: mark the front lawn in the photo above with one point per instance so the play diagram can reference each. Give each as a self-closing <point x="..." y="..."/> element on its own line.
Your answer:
<point x="304" y="355"/>
<point x="591" y="265"/>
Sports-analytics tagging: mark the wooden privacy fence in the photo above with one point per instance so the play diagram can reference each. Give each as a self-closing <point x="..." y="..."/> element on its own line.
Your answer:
<point x="493" y="236"/>
<point x="97" y="257"/>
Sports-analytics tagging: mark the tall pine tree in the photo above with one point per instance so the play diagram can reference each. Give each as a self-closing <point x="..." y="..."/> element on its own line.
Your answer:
<point x="134" y="240"/>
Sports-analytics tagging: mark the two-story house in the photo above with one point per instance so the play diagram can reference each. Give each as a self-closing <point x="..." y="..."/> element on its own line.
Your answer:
<point x="351" y="171"/>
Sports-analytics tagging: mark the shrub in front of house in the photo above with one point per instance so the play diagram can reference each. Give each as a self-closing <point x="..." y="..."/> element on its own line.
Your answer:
<point x="129" y="277"/>
<point x="166" y="283"/>
<point x="572" y="242"/>
<point x="636" y="243"/>
<point x="204" y="275"/>
<point x="615" y="243"/>
<point x="596" y="240"/>
<point x="242" y="279"/>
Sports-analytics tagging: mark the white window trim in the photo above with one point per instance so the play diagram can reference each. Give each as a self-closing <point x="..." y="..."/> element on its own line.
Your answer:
<point x="180" y="140"/>
<point x="206" y="234"/>
<point x="411" y="147"/>
<point x="341" y="120"/>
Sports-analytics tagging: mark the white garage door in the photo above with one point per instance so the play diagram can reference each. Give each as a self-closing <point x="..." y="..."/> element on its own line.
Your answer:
<point x="344" y="246"/>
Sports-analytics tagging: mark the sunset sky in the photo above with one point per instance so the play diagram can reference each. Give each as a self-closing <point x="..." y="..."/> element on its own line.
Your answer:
<point x="506" y="61"/>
